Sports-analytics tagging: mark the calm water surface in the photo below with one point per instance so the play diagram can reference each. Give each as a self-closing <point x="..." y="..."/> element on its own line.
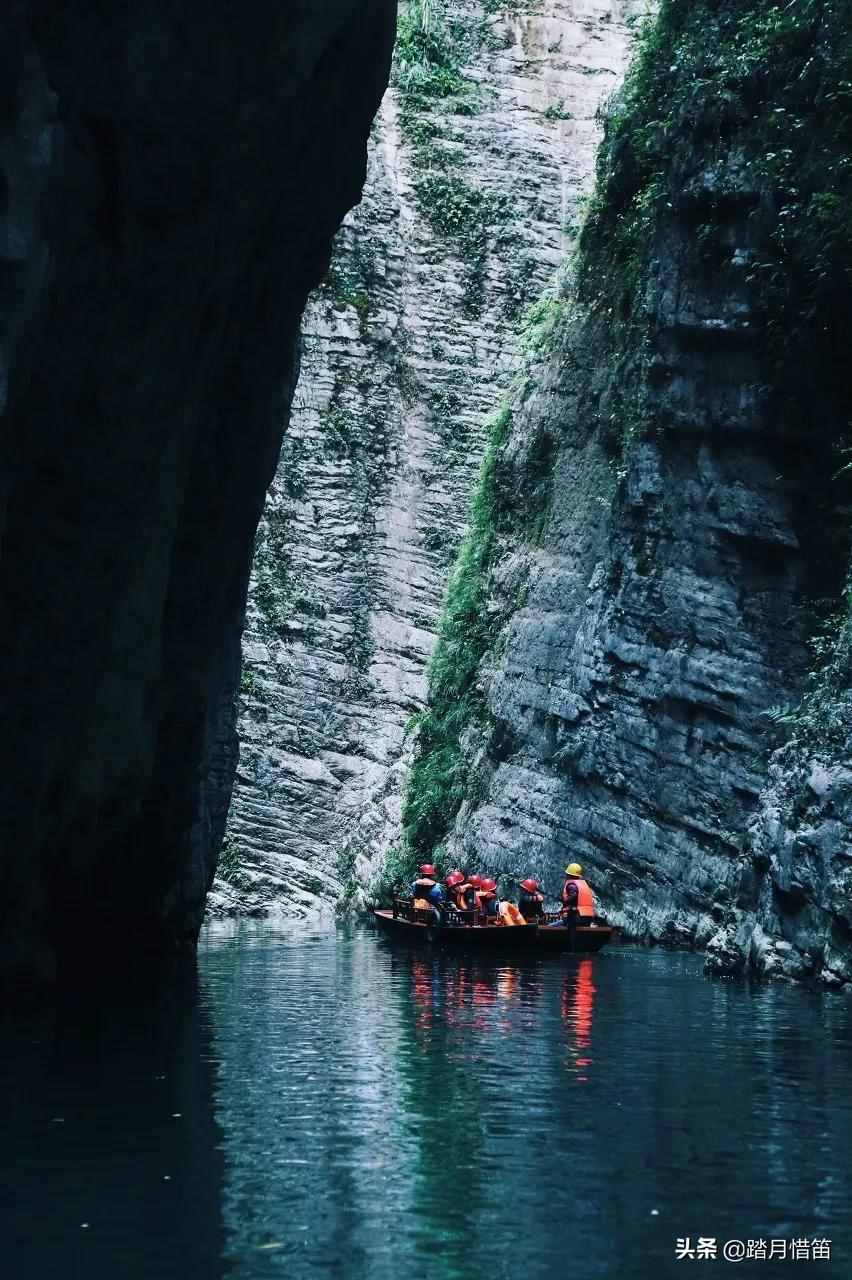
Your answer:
<point x="341" y="1108"/>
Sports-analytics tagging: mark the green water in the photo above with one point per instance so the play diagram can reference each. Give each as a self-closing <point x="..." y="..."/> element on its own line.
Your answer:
<point x="338" y="1107"/>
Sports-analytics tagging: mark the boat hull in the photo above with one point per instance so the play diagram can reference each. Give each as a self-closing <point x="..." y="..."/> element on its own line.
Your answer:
<point x="581" y="939"/>
<point x="468" y="935"/>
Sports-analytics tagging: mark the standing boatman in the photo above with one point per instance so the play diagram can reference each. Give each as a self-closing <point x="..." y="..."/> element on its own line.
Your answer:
<point x="578" y="901"/>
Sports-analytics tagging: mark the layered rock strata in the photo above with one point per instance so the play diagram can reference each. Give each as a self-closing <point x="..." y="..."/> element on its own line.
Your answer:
<point x="172" y="178"/>
<point x="480" y="156"/>
<point x="664" y="523"/>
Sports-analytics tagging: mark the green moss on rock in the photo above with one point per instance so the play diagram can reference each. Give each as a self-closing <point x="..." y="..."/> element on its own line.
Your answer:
<point x="437" y="781"/>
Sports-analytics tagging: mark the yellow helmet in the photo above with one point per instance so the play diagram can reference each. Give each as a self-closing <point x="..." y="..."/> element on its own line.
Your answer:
<point x="573" y="869"/>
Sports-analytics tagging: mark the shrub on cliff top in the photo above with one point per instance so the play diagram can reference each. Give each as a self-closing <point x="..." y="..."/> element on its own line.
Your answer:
<point x="425" y="60"/>
<point x="771" y="82"/>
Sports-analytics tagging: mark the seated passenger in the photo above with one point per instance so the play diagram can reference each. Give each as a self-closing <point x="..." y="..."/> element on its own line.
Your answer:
<point x="465" y="894"/>
<point x="487" y="897"/>
<point x="471" y="892"/>
<point x="437" y="900"/>
<point x="423" y="884"/>
<point x="453" y="882"/>
<point x="531" y="903"/>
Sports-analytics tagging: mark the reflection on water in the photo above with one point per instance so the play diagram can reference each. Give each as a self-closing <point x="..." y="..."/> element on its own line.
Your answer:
<point x="578" y="996"/>
<point x="464" y="1109"/>
<point x="347" y="1108"/>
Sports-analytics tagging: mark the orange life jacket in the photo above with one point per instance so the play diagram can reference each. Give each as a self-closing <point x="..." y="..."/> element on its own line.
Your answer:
<point x="585" y="897"/>
<point x="510" y="914"/>
<point x="461" y="893"/>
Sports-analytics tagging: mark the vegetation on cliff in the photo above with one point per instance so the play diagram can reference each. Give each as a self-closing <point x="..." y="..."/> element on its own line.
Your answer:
<point x="770" y="86"/>
<point x="436" y="42"/>
<point x="437" y="782"/>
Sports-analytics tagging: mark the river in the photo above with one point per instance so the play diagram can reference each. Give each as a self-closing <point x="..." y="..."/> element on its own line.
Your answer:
<point x="335" y="1106"/>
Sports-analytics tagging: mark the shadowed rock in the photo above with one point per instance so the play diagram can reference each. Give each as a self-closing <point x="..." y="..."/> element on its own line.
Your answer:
<point x="170" y="180"/>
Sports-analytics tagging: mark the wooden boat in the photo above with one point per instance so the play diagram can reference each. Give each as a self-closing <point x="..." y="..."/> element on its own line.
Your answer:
<point x="469" y="928"/>
<point x="413" y="924"/>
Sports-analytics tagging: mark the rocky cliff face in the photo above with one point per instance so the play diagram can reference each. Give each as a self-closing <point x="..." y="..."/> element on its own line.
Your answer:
<point x="171" y="181"/>
<point x="479" y="158"/>
<point x="660" y="537"/>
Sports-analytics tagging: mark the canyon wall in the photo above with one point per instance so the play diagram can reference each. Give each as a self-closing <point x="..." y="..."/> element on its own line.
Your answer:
<point x="643" y="661"/>
<point x="171" y="180"/>
<point x="479" y="160"/>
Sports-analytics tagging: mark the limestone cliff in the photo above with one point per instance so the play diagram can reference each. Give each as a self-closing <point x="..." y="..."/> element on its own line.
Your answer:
<point x="644" y="656"/>
<point x="481" y="153"/>
<point x="171" y="178"/>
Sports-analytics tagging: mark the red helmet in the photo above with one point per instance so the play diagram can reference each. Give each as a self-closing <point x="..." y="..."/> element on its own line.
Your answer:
<point x="476" y="881"/>
<point x="426" y="870"/>
<point x="488" y="885"/>
<point x="531" y="886"/>
<point x="453" y="878"/>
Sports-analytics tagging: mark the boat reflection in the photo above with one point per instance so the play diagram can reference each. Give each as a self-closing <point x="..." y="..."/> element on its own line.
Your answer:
<point x="487" y="998"/>
<point x="477" y="994"/>
<point x="577" y="1002"/>
<point x="423" y="993"/>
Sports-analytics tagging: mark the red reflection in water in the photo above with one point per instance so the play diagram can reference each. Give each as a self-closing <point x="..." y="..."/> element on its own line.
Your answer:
<point x="483" y="992"/>
<point x="456" y="994"/>
<point x="421" y="992"/>
<point x="578" y="996"/>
